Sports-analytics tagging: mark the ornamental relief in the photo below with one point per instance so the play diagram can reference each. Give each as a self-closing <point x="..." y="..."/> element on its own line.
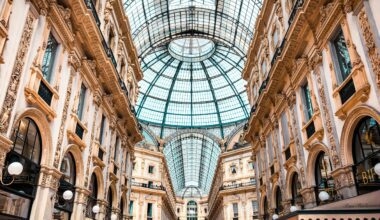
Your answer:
<point x="63" y="122"/>
<point x="369" y="39"/>
<point x="10" y="97"/>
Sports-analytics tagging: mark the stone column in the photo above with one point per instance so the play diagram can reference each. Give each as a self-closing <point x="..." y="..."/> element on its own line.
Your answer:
<point x="344" y="182"/>
<point x="80" y="203"/>
<point x="43" y="205"/>
<point x="308" y="196"/>
<point x="102" y="212"/>
<point x="286" y="204"/>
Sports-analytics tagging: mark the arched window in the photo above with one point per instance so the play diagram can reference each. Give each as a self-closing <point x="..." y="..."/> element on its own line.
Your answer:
<point x="16" y="199"/>
<point x="27" y="140"/>
<point x="323" y="178"/>
<point x="279" y="207"/>
<point x="109" y="204"/>
<point x="366" y="154"/>
<point x="64" y="208"/>
<point x="93" y="197"/>
<point x="296" y="187"/>
<point x="121" y="216"/>
<point x="192" y="210"/>
<point x="266" y="211"/>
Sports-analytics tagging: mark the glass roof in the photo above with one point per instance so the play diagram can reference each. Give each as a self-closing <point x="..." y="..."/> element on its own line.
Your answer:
<point x="192" y="160"/>
<point x="192" y="53"/>
<point x="191" y="49"/>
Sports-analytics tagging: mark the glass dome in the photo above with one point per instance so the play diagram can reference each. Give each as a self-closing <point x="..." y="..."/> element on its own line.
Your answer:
<point x="191" y="49"/>
<point x="196" y="94"/>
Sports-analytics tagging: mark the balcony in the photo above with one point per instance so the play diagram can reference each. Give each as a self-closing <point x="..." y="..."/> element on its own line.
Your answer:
<point x="352" y="91"/>
<point x="113" y="171"/>
<point x="294" y="11"/>
<point x="106" y="48"/>
<point x="98" y="154"/>
<point x="76" y="131"/>
<point x="40" y="93"/>
<point x="238" y="185"/>
<point x="312" y="130"/>
<point x="149" y="186"/>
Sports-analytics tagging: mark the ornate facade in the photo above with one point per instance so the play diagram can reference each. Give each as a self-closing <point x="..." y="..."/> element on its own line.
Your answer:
<point x="69" y="74"/>
<point x="312" y="75"/>
<point x="233" y="193"/>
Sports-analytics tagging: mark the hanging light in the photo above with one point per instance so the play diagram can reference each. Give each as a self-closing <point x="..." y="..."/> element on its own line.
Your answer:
<point x="293" y="208"/>
<point x="275" y="216"/>
<point x="377" y="169"/>
<point x="113" y="216"/>
<point x="96" y="209"/>
<point x="67" y="195"/>
<point x="323" y="196"/>
<point x="15" y="168"/>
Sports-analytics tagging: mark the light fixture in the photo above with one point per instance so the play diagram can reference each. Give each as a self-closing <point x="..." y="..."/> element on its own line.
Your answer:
<point x="14" y="169"/>
<point x="96" y="209"/>
<point x="323" y="196"/>
<point x="67" y="195"/>
<point x="293" y="208"/>
<point x="377" y="169"/>
<point x="113" y="216"/>
<point x="275" y="216"/>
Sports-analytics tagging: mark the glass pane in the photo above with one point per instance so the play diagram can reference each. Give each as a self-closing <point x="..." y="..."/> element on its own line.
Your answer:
<point x="49" y="56"/>
<point x="342" y="56"/>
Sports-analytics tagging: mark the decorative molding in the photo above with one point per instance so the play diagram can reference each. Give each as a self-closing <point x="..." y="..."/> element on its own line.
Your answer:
<point x="10" y="97"/>
<point x="373" y="52"/>
<point x="63" y="122"/>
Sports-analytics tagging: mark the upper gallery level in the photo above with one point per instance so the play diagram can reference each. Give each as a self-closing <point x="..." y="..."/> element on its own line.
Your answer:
<point x="313" y="83"/>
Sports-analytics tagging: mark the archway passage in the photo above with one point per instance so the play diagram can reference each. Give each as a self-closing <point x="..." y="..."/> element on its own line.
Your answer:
<point x="192" y="160"/>
<point x="192" y="210"/>
<point x="366" y="154"/>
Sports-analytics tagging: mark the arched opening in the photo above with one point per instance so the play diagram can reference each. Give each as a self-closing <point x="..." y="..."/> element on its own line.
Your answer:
<point x="192" y="210"/>
<point x="366" y="154"/>
<point x="109" y="204"/>
<point x="16" y="199"/>
<point x="63" y="208"/>
<point x="121" y="215"/>
<point x="279" y="207"/>
<point x="93" y="197"/>
<point x="295" y="190"/>
<point x="323" y="178"/>
<point x="266" y="209"/>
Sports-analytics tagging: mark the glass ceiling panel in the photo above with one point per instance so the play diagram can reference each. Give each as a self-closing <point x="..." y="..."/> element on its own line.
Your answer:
<point x="192" y="53"/>
<point x="192" y="159"/>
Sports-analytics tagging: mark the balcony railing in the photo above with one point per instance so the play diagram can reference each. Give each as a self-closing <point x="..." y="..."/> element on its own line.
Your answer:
<point x="45" y="93"/>
<point x="90" y="5"/>
<point x="263" y="85"/>
<point x="238" y="185"/>
<point x="293" y="13"/>
<point x="149" y="186"/>
<point x="238" y="146"/>
<point x="108" y="50"/>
